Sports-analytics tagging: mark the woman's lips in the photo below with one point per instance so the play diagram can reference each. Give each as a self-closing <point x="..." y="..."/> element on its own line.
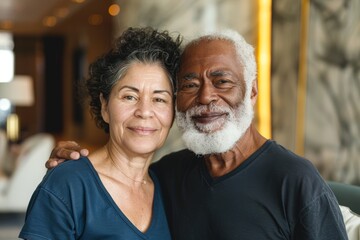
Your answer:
<point x="143" y="130"/>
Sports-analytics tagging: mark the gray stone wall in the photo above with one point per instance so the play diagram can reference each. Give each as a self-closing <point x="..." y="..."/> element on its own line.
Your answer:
<point x="332" y="134"/>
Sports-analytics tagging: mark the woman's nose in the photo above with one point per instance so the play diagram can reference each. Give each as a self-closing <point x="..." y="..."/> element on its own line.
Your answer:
<point x="144" y="109"/>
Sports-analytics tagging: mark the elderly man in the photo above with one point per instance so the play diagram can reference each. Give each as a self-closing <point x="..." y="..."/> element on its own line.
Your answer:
<point x="231" y="182"/>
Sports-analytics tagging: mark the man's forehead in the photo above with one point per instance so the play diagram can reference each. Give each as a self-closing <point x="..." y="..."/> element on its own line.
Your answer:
<point x="207" y="43"/>
<point x="209" y="58"/>
<point x="209" y="49"/>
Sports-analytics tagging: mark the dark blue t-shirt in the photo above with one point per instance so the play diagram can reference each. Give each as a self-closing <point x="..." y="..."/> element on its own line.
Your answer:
<point x="273" y="195"/>
<point x="72" y="203"/>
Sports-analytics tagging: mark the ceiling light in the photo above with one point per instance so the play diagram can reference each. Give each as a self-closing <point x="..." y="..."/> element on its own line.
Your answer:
<point x="114" y="9"/>
<point x="6" y="25"/>
<point x="5" y="104"/>
<point x="6" y="65"/>
<point x="62" y="12"/>
<point x="50" y="21"/>
<point x="95" y="19"/>
<point x="7" y="58"/>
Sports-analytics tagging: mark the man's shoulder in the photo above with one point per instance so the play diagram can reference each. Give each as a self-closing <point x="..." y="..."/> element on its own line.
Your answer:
<point x="286" y="156"/>
<point x="178" y="155"/>
<point x="176" y="159"/>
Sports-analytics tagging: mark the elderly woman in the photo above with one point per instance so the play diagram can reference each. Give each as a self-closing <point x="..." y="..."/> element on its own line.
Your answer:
<point x="111" y="194"/>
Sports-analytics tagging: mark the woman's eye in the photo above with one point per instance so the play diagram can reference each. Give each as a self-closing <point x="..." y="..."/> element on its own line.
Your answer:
<point x="130" y="98"/>
<point x="160" y="100"/>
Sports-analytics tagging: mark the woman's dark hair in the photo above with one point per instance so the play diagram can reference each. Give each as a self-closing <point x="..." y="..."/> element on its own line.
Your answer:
<point x="142" y="45"/>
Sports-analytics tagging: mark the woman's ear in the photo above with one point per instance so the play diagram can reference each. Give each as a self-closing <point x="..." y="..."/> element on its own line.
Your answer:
<point x="104" y="108"/>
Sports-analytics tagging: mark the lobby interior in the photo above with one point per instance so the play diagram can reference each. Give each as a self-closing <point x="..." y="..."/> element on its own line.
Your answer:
<point x="308" y="57"/>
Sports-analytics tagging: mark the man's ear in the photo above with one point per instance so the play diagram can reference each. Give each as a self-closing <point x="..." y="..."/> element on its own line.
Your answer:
<point x="104" y="108"/>
<point x="254" y="92"/>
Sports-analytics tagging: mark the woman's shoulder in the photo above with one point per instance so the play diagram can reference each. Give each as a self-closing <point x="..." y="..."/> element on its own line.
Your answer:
<point x="70" y="171"/>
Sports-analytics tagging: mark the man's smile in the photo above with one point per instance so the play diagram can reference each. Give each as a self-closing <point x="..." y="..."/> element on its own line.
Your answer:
<point x="205" y="118"/>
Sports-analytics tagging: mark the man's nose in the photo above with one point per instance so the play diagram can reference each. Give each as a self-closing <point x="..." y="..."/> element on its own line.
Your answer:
<point x="206" y="93"/>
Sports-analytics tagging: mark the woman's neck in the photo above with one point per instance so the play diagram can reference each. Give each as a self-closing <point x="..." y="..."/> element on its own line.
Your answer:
<point x="131" y="170"/>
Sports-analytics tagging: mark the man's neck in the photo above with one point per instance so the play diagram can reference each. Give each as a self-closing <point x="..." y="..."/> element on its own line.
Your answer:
<point x="223" y="163"/>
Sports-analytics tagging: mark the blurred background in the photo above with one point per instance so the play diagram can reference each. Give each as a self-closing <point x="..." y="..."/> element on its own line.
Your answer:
<point x="308" y="54"/>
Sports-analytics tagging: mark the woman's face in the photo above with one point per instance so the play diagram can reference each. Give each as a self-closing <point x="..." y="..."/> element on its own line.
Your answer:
<point x="140" y="109"/>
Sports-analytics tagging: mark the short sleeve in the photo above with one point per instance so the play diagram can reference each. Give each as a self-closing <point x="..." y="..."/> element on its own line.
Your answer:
<point x="47" y="217"/>
<point x="321" y="220"/>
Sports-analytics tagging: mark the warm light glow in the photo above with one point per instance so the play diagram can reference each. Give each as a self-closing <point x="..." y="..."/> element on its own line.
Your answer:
<point x="264" y="70"/>
<point x="62" y="12"/>
<point x="12" y="127"/>
<point x="302" y="84"/>
<point x="95" y="19"/>
<point x="6" y="25"/>
<point x="50" y="21"/>
<point x="78" y="1"/>
<point x="114" y="9"/>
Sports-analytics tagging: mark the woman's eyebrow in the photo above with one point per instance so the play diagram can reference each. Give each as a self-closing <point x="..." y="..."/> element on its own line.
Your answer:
<point x="129" y="87"/>
<point x="163" y="91"/>
<point x="137" y="90"/>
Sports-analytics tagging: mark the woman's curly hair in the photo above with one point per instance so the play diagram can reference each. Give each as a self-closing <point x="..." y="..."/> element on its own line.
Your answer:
<point x="143" y="45"/>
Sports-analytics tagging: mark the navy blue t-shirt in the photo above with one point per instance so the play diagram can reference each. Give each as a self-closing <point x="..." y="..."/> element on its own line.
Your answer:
<point x="273" y="195"/>
<point x="72" y="203"/>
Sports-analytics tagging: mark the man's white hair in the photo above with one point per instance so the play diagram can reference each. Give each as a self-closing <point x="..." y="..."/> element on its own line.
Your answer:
<point x="244" y="51"/>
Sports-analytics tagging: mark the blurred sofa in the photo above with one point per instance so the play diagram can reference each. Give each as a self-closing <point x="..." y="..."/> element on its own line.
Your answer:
<point x="348" y="197"/>
<point x="29" y="169"/>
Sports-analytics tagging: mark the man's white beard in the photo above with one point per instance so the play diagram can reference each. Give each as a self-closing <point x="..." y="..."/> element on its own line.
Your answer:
<point x="219" y="141"/>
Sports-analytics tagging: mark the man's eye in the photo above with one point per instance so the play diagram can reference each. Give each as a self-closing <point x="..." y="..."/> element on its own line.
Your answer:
<point x="223" y="83"/>
<point x="189" y="85"/>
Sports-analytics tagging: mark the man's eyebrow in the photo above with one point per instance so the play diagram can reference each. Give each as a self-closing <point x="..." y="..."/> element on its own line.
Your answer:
<point x="189" y="76"/>
<point x="219" y="73"/>
<point x="216" y="73"/>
